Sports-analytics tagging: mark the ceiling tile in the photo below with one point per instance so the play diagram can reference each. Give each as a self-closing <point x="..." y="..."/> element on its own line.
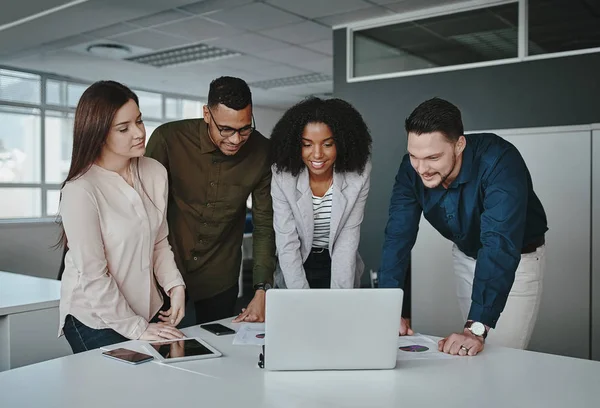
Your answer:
<point x="111" y="30"/>
<point x="412" y="5"/>
<point x="211" y="6"/>
<point x="255" y="16"/>
<point x="357" y="15"/>
<point x="198" y="29"/>
<point x="277" y="71"/>
<point x="22" y="9"/>
<point x="248" y="43"/>
<point x="319" y="8"/>
<point x="301" y="33"/>
<point x="154" y="40"/>
<point x="323" y="66"/>
<point x="324" y="47"/>
<point x="245" y="62"/>
<point x="159" y="18"/>
<point x="291" y="55"/>
<point x="387" y="1"/>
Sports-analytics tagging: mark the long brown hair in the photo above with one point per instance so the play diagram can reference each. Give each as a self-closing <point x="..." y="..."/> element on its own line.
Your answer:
<point x="94" y="115"/>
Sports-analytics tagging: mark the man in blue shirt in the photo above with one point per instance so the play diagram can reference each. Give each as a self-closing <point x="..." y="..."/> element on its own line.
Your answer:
<point x="477" y="192"/>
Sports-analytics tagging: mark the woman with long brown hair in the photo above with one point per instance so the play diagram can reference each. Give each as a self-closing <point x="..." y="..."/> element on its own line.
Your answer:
<point x="113" y="209"/>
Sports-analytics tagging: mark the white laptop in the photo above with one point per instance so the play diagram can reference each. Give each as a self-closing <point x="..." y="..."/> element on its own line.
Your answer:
<point x="332" y="329"/>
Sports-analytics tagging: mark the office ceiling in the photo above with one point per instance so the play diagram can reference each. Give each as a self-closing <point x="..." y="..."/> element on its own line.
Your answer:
<point x="276" y="39"/>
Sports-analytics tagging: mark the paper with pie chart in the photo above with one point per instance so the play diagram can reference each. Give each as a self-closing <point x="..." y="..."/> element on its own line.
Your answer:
<point x="250" y="334"/>
<point x="419" y="347"/>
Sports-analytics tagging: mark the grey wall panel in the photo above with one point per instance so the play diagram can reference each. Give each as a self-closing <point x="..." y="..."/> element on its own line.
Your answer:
<point x="563" y="322"/>
<point x="595" y="278"/>
<point x="550" y="92"/>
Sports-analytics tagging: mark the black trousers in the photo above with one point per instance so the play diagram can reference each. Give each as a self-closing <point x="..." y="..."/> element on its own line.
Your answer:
<point x="318" y="269"/>
<point x="217" y="307"/>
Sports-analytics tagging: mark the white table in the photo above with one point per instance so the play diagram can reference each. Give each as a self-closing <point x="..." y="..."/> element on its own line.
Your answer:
<point x="499" y="377"/>
<point x="29" y="320"/>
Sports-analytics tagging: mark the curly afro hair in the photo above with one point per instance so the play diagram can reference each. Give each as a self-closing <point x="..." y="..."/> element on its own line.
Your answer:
<point x="350" y="133"/>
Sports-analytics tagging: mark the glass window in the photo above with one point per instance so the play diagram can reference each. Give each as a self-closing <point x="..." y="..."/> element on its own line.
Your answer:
<point x="150" y="104"/>
<point x="20" y="156"/>
<point x="20" y="202"/>
<point x="485" y="34"/>
<point x="150" y="128"/>
<point x="20" y="87"/>
<point x="63" y="93"/>
<point x="191" y="109"/>
<point x="562" y="25"/>
<point x="52" y="201"/>
<point x="176" y="108"/>
<point x="59" y="144"/>
<point x="171" y="108"/>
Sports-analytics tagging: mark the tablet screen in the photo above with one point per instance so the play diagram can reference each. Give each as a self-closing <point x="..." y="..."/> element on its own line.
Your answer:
<point x="181" y="348"/>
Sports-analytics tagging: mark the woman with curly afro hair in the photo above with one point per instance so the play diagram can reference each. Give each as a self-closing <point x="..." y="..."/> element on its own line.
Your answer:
<point x="320" y="150"/>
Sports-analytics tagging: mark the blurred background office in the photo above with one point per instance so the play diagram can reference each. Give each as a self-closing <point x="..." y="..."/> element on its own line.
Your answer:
<point x="527" y="69"/>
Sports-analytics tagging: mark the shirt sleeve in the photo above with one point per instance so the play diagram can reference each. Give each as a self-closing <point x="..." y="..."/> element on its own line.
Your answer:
<point x="502" y="229"/>
<point x="287" y="239"/>
<point x="345" y="247"/>
<point x="401" y="230"/>
<point x="165" y="269"/>
<point x="263" y="235"/>
<point x="81" y="221"/>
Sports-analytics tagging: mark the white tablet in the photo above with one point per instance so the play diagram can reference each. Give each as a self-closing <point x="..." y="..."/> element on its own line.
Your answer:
<point x="186" y="349"/>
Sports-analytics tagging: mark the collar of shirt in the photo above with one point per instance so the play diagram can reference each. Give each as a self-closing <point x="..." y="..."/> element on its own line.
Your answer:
<point x="467" y="171"/>
<point x="206" y="144"/>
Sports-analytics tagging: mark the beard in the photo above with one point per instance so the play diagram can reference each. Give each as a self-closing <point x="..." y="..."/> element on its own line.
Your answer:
<point x="444" y="177"/>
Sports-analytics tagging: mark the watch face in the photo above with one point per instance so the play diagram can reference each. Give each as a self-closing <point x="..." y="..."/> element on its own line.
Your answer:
<point x="478" y="329"/>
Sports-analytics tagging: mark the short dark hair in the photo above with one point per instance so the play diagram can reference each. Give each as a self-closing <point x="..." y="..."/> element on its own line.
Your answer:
<point x="229" y="91"/>
<point x="436" y="115"/>
<point x="350" y="133"/>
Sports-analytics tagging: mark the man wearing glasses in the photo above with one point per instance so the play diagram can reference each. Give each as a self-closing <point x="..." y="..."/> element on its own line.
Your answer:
<point x="214" y="164"/>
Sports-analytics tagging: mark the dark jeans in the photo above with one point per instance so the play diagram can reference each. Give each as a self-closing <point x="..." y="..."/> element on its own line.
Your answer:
<point x="217" y="307"/>
<point x="318" y="269"/>
<point x="83" y="338"/>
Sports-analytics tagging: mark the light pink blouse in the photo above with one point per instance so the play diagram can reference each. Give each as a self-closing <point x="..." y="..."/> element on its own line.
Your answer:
<point x="118" y="249"/>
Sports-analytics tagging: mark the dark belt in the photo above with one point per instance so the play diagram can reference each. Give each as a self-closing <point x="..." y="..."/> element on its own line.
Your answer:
<point x="533" y="246"/>
<point x="315" y="250"/>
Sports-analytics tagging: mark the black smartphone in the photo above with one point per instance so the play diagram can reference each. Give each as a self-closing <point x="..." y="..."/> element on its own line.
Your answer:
<point x="217" y="329"/>
<point x="128" y="356"/>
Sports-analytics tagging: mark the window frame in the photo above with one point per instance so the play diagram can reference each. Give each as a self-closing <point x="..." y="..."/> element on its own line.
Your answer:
<point x="43" y="107"/>
<point x="522" y="46"/>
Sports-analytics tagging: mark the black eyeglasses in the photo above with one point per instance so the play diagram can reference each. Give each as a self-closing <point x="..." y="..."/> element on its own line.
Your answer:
<point x="226" y="131"/>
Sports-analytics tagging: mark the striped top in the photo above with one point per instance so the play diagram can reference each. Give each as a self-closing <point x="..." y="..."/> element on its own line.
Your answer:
<point x="322" y="217"/>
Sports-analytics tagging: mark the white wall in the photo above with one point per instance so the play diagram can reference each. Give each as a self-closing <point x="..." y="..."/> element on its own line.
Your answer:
<point x="26" y="248"/>
<point x="266" y="119"/>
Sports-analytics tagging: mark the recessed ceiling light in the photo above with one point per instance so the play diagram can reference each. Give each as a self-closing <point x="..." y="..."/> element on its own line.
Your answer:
<point x="109" y="50"/>
<point x="292" y="81"/>
<point x="184" y="55"/>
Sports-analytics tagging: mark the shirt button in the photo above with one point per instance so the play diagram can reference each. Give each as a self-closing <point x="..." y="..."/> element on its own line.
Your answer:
<point x="195" y="258"/>
<point x="212" y="184"/>
<point x="208" y="205"/>
<point x="205" y="224"/>
<point x="450" y="216"/>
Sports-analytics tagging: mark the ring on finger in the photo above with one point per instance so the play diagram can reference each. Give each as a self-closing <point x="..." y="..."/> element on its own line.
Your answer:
<point x="464" y="348"/>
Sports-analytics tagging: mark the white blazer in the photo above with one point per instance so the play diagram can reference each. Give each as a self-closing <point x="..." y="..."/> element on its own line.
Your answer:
<point x="293" y="222"/>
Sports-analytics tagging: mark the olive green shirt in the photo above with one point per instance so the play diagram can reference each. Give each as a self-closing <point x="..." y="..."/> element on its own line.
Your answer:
<point x="207" y="205"/>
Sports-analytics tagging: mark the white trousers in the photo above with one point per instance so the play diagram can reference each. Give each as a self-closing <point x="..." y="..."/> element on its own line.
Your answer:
<point x="517" y="321"/>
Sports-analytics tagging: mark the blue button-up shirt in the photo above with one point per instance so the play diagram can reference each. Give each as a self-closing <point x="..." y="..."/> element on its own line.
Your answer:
<point x="489" y="211"/>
